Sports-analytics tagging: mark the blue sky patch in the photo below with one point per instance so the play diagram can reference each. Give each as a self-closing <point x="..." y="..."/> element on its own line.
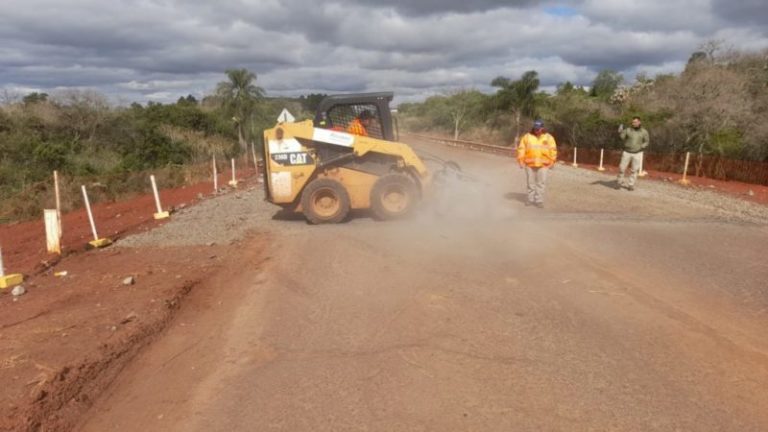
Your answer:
<point x="564" y="11"/>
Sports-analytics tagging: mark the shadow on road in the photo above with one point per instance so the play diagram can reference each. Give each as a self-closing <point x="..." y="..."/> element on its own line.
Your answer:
<point x="516" y="196"/>
<point x="612" y="184"/>
<point x="288" y="215"/>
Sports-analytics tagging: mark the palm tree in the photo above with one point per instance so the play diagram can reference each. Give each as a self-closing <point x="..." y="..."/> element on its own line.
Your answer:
<point x="517" y="96"/>
<point x="239" y="97"/>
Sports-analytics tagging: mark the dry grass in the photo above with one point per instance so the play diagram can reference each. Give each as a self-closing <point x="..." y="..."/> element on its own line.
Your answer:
<point x="29" y="203"/>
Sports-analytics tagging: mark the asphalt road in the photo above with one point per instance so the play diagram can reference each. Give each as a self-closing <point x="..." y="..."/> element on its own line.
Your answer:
<point x="606" y="311"/>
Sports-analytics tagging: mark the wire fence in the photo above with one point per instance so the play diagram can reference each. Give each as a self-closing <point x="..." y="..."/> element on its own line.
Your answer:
<point x="713" y="167"/>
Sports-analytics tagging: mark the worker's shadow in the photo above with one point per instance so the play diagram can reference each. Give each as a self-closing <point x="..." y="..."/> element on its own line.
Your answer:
<point x="516" y="196"/>
<point x="611" y="184"/>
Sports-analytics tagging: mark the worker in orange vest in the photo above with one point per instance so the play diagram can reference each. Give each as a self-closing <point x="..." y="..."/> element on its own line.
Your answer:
<point x="359" y="125"/>
<point x="537" y="153"/>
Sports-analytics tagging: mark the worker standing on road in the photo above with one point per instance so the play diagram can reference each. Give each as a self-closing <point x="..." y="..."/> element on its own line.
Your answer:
<point x="359" y="126"/>
<point x="635" y="140"/>
<point x="537" y="153"/>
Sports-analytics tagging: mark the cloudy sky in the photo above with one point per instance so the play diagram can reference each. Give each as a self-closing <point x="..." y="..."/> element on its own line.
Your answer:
<point x="140" y="50"/>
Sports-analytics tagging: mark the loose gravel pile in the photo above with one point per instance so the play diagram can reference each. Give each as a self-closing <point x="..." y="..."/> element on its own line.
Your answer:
<point x="219" y="220"/>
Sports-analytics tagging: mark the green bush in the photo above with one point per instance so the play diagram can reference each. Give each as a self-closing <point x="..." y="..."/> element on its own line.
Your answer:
<point x="727" y="142"/>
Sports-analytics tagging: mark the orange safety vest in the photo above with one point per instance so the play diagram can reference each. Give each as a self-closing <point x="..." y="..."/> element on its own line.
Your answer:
<point x="356" y="128"/>
<point x="536" y="151"/>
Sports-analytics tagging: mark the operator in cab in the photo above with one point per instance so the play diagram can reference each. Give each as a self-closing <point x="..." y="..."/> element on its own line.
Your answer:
<point x="359" y="126"/>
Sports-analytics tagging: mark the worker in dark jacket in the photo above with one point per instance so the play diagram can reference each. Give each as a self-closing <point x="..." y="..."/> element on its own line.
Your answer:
<point x="635" y="139"/>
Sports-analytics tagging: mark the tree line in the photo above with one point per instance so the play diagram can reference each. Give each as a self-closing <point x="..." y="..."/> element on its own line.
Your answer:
<point x="80" y="134"/>
<point x="716" y="106"/>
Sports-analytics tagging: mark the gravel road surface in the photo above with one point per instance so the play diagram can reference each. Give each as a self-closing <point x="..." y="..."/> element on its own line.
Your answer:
<point x="606" y="311"/>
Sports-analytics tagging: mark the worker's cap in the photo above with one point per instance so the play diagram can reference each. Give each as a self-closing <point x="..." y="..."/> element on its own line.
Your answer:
<point x="365" y="115"/>
<point x="538" y="124"/>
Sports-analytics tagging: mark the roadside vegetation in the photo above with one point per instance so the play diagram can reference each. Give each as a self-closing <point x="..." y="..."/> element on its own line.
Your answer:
<point x="716" y="107"/>
<point x="112" y="148"/>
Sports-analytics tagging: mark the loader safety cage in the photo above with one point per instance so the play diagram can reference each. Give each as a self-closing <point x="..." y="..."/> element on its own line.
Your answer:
<point x="338" y="111"/>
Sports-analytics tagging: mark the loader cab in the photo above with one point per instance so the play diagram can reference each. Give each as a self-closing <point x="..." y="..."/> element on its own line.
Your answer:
<point x="338" y="112"/>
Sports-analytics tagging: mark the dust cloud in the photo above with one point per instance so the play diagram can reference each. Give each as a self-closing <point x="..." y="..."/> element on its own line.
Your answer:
<point x="473" y="194"/>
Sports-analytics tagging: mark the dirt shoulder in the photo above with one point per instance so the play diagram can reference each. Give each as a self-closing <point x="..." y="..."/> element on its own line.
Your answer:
<point x="68" y="337"/>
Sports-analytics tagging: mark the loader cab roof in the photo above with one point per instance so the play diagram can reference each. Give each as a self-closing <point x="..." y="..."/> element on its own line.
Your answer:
<point x="353" y="98"/>
<point x="337" y="111"/>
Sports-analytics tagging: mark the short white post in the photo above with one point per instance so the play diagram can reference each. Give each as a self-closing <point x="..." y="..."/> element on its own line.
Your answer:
<point x="52" y="234"/>
<point x="58" y="199"/>
<point x="233" y="182"/>
<point x="575" y="151"/>
<point x="97" y="242"/>
<point x="256" y="163"/>
<point x="7" y="281"/>
<point x="685" y="180"/>
<point x="215" y="176"/>
<point x="642" y="172"/>
<point x="160" y="213"/>
<point x="601" y="167"/>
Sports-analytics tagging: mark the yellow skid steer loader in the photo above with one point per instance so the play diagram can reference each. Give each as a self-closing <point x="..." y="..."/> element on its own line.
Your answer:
<point x="347" y="158"/>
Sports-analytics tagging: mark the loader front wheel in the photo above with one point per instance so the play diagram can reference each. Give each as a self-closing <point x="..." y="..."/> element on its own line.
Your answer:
<point x="325" y="201"/>
<point x="393" y="196"/>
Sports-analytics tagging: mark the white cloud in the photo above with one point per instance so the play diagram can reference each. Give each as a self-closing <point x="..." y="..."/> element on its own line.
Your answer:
<point x="160" y="50"/>
<point x="653" y="15"/>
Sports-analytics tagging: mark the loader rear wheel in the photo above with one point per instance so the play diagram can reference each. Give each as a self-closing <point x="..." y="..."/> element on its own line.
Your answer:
<point x="393" y="196"/>
<point x="325" y="201"/>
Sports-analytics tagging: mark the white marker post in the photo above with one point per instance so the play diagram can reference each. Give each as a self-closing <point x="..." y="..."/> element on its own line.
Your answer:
<point x="52" y="234"/>
<point x="97" y="242"/>
<point x="684" y="180"/>
<point x="601" y="167"/>
<point x="233" y="182"/>
<point x="255" y="163"/>
<point x="575" y="151"/>
<point x="160" y="213"/>
<point x="215" y="177"/>
<point x="58" y="200"/>
<point x="642" y="173"/>
<point x="7" y="281"/>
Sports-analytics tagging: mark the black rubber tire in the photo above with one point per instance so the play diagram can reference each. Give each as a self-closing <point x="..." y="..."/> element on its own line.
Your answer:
<point x="329" y="191"/>
<point x="393" y="185"/>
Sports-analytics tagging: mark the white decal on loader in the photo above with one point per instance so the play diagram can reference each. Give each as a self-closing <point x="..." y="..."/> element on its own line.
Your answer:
<point x="288" y="145"/>
<point x="281" y="184"/>
<point x="333" y="137"/>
